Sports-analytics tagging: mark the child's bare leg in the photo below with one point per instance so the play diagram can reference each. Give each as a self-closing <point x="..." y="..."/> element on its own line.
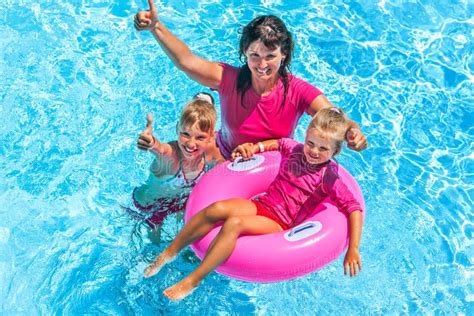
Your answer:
<point x="221" y="249"/>
<point x="199" y="225"/>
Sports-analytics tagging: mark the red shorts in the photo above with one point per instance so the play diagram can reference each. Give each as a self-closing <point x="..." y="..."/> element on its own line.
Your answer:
<point x="263" y="211"/>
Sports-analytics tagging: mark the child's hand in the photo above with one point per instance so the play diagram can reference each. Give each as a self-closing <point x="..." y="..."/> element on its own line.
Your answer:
<point x="146" y="20"/>
<point x="146" y="141"/>
<point x="356" y="140"/>
<point x="245" y="151"/>
<point x="352" y="261"/>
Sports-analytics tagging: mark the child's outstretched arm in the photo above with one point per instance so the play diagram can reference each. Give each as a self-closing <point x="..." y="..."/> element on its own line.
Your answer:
<point x="352" y="259"/>
<point x="146" y="140"/>
<point x="247" y="150"/>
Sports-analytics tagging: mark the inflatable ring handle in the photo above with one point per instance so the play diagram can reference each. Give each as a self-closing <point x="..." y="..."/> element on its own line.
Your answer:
<point x="303" y="230"/>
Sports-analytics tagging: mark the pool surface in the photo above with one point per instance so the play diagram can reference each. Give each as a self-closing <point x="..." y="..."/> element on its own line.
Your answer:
<point x="77" y="82"/>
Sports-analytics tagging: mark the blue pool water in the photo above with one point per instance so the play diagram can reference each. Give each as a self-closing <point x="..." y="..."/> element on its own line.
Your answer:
<point x="77" y="82"/>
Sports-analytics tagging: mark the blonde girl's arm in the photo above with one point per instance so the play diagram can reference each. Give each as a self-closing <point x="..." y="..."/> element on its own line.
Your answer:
<point x="247" y="150"/>
<point x="164" y="163"/>
<point x="165" y="155"/>
<point x="352" y="261"/>
<point x="198" y="69"/>
<point x="343" y="196"/>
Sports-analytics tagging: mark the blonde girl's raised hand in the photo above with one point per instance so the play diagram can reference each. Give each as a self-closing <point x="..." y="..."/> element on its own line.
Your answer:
<point x="146" y="20"/>
<point x="146" y="140"/>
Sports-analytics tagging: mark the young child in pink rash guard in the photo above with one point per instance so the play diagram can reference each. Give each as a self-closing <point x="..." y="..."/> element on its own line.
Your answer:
<point x="306" y="176"/>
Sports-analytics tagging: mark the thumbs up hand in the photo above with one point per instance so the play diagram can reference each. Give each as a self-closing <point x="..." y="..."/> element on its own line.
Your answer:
<point x="146" y="140"/>
<point x="146" y="20"/>
<point x="356" y="140"/>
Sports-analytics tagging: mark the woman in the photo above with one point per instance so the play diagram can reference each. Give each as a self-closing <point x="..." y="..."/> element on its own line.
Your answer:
<point x="259" y="100"/>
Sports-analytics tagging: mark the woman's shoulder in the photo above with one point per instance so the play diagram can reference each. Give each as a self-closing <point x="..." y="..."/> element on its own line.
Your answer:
<point x="304" y="91"/>
<point x="230" y="75"/>
<point x="299" y="82"/>
<point x="228" y="68"/>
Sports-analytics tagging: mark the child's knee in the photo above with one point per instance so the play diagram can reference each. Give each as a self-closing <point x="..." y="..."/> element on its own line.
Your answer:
<point x="216" y="211"/>
<point x="233" y="225"/>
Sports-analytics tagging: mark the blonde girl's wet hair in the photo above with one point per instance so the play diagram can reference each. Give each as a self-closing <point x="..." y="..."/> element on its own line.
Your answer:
<point x="200" y="110"/>
<point x="332" y="123"/>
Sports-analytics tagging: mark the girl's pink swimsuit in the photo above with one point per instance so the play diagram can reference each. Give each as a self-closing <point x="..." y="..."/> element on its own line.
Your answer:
<point x="299" y="187"/>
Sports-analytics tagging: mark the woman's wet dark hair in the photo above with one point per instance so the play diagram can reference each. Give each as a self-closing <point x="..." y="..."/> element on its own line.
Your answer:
<point x="272" y="32"/>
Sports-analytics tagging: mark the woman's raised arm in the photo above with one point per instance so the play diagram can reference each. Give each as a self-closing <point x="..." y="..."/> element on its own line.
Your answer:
<point x="197" y="68"/>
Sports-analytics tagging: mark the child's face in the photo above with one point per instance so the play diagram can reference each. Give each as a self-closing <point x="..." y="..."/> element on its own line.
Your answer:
<point x="192" y="141"/>
<point x="318" y="148"/>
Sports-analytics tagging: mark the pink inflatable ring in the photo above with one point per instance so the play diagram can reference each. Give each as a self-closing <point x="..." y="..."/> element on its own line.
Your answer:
<point x="272" y="257"/>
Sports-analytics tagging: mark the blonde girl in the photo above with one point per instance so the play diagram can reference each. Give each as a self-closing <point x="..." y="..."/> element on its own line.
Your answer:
<point x="180" y="163"/>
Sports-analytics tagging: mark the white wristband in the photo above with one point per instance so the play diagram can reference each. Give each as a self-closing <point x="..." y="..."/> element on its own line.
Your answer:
<point x="261" y="147"/>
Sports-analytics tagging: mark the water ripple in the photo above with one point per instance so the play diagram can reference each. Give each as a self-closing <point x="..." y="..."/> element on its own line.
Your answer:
<point x="77" y="82"/>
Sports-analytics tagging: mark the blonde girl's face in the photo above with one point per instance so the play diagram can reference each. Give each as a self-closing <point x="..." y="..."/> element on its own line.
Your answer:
<point x="192" y="141"/>
<point x="318" y="148"/>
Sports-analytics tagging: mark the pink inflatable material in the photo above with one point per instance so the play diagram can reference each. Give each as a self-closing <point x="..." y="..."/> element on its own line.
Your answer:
<point x="272" y="257"/>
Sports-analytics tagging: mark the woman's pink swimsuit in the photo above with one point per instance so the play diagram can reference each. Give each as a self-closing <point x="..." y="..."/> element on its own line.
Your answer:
<point x="254" y="118"/>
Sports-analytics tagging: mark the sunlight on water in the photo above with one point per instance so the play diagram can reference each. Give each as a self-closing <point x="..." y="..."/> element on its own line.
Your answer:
<point x="78" y="81"/>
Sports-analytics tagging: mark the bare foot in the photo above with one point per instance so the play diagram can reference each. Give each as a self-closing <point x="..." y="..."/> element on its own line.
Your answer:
<point x="159" y="262"/>
<point x="180" y="290"/>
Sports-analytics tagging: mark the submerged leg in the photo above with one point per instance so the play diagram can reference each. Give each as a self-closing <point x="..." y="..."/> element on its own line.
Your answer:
<point x="199" y="225"/>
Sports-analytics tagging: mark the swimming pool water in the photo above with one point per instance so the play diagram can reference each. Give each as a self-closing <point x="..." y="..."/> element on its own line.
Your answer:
<point x="77" y="82"/>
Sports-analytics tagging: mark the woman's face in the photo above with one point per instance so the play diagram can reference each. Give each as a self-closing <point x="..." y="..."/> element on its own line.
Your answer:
<point x="263" y="62"/>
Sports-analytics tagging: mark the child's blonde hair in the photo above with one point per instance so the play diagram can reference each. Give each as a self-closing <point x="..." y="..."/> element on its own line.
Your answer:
<point x="200" y="110"/>
<point x="332" y="123"/>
